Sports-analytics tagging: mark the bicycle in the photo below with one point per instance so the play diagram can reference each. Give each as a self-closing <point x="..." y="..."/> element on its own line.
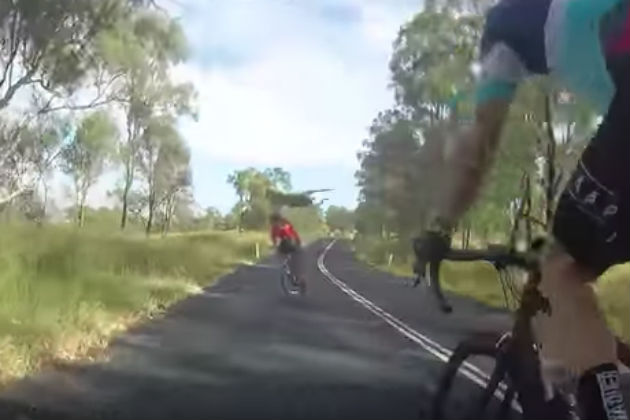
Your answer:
<point x="290" y="283"/>
<point x="516" y="373"/>
<point x="419" y="278"/>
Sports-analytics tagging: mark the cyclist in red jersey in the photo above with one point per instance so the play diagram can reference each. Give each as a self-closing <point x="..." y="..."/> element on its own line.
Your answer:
<point x="283" y="234"/>
<point x="287" y="242"/>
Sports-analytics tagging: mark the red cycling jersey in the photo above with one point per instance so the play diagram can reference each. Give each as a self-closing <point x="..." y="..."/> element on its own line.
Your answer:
<point x="284" y="231"/>
<point x="621" y="44"/>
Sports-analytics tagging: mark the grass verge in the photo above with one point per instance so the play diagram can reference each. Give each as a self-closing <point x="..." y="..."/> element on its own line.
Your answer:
<point x="65" y="293"/>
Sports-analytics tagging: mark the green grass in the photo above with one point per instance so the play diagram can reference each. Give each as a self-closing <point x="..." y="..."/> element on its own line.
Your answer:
<point x="479" y="281"/>
<point x="64" y="293"/>
<point x="613" y="290"/>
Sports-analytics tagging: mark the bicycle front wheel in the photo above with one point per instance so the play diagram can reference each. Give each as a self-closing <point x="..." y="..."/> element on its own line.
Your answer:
<point x="480" y="402"/>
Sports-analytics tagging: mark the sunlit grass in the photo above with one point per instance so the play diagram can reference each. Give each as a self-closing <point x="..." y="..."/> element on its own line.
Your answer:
<point x="65" y="293"/>
<point x="614" y="292"/>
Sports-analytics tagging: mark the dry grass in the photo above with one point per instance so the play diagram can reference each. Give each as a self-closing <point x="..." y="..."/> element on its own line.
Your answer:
<point x="65" y="293"/>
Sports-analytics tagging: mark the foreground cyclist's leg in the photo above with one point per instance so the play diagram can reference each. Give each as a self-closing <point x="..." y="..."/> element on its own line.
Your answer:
<point x="592" y="226"/>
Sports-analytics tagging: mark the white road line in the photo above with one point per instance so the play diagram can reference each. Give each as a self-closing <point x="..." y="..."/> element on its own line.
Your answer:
<point x="467" y="369"/>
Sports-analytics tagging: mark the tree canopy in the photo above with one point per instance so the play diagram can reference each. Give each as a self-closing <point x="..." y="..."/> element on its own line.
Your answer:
<point x="432" y="71"/>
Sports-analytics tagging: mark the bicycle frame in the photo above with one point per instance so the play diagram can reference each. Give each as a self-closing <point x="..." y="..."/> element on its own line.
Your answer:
<point x="288" y="276"/>
<point x="519" y="360"/>
<point x="516" y="354"/>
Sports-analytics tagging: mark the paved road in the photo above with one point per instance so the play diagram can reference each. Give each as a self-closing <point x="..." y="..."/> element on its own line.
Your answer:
<point x="361" y="345"/>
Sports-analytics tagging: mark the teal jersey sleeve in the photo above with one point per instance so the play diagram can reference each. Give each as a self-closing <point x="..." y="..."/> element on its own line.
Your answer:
<point x="489" y="89"/>
<point x="501" y="71"/>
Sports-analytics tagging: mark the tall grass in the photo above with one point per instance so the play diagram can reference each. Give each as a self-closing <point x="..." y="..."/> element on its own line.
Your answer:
<point x="64" y="292"/>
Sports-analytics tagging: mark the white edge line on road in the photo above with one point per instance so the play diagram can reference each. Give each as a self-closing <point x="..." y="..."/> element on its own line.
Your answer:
<point x="467" y="369"/>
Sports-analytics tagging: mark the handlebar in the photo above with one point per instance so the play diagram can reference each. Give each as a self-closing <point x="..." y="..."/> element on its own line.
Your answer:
<point x="500" y="257"/>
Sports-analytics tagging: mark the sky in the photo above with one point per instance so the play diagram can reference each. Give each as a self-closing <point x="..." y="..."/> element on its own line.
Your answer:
<point x="289" y="83"/>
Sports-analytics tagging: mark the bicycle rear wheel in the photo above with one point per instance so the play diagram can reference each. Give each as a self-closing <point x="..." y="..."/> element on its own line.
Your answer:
<point x="290" y="284"/>
<point x="481" y="404"/>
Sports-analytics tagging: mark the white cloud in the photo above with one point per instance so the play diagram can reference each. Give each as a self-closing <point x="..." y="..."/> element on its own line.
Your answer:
<point x="307" y="89"/>
<point x="304" y="111"/>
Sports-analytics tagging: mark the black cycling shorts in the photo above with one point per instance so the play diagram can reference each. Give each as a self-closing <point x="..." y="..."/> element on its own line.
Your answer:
<point x="592" y="217"/>
<point x="287" y="246"/>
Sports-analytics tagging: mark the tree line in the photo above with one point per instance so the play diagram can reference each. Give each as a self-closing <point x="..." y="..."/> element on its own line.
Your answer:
<point x="87" y="86"/>
<point x="432" y="71"/>
<point x="263" y="191"/>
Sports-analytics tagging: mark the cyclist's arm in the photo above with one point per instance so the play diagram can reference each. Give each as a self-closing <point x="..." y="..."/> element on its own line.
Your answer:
<point x="470" y="158"/>
<point x="471" y="154"/>
<point x="274" y="237"/>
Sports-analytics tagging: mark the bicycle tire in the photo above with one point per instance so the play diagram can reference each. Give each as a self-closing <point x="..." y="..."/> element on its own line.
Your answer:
<point x="476" y="345"/>
<point x="529" y="398"/>
<point x="289" y="284"/>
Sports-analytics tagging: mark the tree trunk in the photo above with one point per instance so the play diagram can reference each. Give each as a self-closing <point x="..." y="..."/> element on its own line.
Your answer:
<point x="132" y="133"/>
<point x="125" y="205"/>
<point x="468" y="234"/>
<point x="149" y="222"/>
<point x="45" y="200"/>
<point x="165" y="219"/>
<point x="81" y="212"/>
<point x="151" y="211"/>
<point x="239" y="227"/>
<point x="551" y="165"/>
<point x="527" y="209"/>
<point x="465" y="232"/>
<point x="169" y="220"/>
<point x="169" y="207"/>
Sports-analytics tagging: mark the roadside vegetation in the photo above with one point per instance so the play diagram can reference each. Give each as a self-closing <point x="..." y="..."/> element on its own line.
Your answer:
<point x="91" y="97"/>
<point x="401" y="163"/>
<point x="89" y="90"/>
<point x="65" y="293"/>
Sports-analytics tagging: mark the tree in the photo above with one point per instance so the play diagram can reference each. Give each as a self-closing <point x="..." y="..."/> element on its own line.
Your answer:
<point x="47" y="139"/>
<point x="164" y="162"/>
<point x="17" y="164"/>
<point x="228" y="222"/>
<point x="255" y="190"/>
<point x="177" y="210"/>
<point x="85" y="155"/>
<point x="144" y="47"/>
<point x="340" y="218"/>
<point x="57" y="52"/>
<point x="308" y="221"/>
<point x="390" y="177"/>
<point x="370" y="219"/>
<point x="240" y="180"/>
<point x="402" y="165"/>
<point x="51" y="44"/>
<point x="280" y="179"/>
<point x="431" y="60"/>
<point x="211" y="219"/>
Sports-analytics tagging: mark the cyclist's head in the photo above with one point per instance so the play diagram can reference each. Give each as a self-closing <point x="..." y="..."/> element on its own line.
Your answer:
<point x="277" y="215"/>
<point x="275" y="218"/>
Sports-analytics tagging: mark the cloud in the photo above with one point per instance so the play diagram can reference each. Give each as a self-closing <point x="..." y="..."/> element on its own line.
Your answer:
<point x="307" y="110"/>
<point x="288" y="82"/>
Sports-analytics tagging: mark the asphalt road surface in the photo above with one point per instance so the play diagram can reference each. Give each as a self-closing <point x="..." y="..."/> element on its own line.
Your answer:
<point x="361" y="344"/>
